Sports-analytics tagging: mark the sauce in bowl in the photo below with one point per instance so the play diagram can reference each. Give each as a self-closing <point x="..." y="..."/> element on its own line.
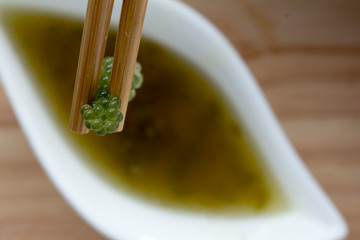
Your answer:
<point x="180" y="146"/>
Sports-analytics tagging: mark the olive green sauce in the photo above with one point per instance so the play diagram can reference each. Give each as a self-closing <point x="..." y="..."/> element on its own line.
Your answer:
<point x="180" y="147"/>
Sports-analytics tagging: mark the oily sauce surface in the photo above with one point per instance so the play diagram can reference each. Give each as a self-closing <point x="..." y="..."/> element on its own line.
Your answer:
<point x="180" y="145"/>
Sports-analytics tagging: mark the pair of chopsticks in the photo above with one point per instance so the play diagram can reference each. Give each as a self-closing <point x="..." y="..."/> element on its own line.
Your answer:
<point x="92" y="50"/>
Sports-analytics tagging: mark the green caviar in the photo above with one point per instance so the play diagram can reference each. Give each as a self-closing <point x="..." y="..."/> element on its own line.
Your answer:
<point x="102" y="115"/>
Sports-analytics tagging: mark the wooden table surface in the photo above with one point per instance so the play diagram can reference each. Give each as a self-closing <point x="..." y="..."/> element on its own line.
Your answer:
<point x="306" y="57"/>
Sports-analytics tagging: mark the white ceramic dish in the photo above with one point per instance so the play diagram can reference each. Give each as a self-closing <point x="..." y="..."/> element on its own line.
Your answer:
<point x="310" y="216"/>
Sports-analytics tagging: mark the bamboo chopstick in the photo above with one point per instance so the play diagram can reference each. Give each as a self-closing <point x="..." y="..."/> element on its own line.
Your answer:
<point x="96" y="28"/>
<point x="126" y="50"/>
<point x="92" y="50"/>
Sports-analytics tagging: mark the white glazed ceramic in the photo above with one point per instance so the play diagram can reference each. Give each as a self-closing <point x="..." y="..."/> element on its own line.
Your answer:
<point x="310" y="215"/>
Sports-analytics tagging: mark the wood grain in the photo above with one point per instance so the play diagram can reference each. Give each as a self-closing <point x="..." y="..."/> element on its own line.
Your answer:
<point x="92" y="50"/>
<point x="306" y="57"/>
<point x="126" y="51"/>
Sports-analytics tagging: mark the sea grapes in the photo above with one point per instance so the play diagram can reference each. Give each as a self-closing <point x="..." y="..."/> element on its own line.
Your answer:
<point x="102" y="115"/>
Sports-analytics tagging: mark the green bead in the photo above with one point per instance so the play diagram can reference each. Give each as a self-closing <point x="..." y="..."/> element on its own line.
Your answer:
<point x="96" y="124"/>
<point x="137" y="67"/>
<point x="114" y="104"/>
<point x="132" y="94"/>
<point x="107" y="61"/>
<point x="119" y="118"/>
<point x="88" y="114"/>
<point x="114" y="98"/>
<point x="103" y="87"/>
<point x="85" y="107"/>
<point x="88" y="124"/>
<point x="104" y="78"/>
<point x="104" y="102"/>
<point x="101" y="132"/>
<point x="108" y="67"/>
<point x="112" y="113"/>
<point x="99" y="100"/>
<point x="99" y="111"/>
<point x="104" y="94"/>
<point x="137" y="80"/>
<point x="110" y="126"/>
<point x="93" y="104"/>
